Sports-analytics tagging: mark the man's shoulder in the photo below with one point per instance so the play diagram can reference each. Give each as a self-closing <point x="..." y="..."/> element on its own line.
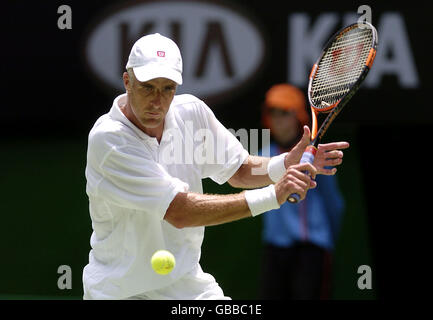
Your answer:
<point x="186" y="99"/>
<point x="187" y="103"/>
<point x="187" y="106"/>
<point x="109" y="132"/>
<point x="106" y="124"/>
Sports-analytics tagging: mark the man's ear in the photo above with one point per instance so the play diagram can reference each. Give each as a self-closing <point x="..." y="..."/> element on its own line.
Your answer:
<point x="126" y="82"/>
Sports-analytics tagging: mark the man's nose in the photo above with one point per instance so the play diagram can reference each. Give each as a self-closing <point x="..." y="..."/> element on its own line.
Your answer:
<point x="156" y="99"/>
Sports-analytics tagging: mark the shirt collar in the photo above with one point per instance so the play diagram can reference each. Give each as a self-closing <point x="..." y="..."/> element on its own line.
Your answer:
<point x="116" y="114"/>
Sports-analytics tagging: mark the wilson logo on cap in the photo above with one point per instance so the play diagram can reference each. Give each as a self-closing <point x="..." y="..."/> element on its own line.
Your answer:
<point x="160" y="53"/>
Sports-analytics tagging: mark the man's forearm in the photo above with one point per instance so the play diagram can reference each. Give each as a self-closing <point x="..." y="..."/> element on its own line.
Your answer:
<point x="193" y="209"/>
<point x="252" y="174"/>
<point x="189" y="209"/>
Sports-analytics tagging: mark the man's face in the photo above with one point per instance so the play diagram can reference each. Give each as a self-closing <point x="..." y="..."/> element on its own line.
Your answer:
<point x="285" y="126"/>
<point x="150" y="100"/>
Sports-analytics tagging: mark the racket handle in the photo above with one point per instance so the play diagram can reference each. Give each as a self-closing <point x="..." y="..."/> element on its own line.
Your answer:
<point x="294" y="198"/>
<point x="307" y="156"/>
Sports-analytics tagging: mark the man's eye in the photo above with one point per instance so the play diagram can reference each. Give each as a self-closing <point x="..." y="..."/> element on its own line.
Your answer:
<point x="169" y="88"/>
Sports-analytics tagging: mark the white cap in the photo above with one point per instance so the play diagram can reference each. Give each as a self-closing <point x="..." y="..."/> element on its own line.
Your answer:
<point x="155" y="56"/>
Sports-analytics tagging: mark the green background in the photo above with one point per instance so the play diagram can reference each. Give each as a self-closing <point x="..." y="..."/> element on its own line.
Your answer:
<point x="46" y="224"/>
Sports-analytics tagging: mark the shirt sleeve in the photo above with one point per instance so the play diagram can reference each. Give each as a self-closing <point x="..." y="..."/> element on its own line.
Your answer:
<point x="226" y="152"/>
<point x="131" y="180"/>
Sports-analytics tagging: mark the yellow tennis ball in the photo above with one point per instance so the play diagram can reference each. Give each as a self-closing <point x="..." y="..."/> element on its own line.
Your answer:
<point x="163" y="262"/>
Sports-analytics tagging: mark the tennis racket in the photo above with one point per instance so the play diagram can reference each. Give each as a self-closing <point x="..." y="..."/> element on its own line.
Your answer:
<point x="335" y="78"/>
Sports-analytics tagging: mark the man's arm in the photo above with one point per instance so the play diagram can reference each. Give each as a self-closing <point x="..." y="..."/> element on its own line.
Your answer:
<point x="253" y="173"/>
<point x="190" y="209"/>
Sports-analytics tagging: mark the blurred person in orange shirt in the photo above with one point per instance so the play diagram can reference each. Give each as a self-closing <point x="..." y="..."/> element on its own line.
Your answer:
<point x="298" y="239"/>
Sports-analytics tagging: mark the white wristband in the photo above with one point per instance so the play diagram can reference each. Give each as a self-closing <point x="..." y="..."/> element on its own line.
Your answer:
<point x="276" y="167"/>
<point x="262" y="200"/>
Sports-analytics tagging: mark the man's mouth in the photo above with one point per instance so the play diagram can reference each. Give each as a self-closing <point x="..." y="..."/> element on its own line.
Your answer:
<point x="152" y="114"/>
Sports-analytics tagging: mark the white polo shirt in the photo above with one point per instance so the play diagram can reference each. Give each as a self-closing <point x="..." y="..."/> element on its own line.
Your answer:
<point x="131" y="180"/>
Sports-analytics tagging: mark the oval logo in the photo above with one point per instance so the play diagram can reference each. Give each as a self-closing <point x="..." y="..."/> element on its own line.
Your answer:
<point x="222" y="49"/>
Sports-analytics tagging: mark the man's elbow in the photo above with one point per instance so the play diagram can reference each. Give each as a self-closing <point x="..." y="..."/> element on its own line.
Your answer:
<point x="233" y="183"/>
<point x="175" y="212"/>
<point x="242" y="177"/>
<point x="236" y="182"/>
<point x="175" y="220"/>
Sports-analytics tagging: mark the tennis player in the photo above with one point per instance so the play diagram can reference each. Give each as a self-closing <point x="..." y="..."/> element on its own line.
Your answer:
<point x="145" y="161"/>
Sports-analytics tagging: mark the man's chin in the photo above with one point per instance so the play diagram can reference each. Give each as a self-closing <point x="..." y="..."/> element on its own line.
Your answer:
<point x="151" y="123"/>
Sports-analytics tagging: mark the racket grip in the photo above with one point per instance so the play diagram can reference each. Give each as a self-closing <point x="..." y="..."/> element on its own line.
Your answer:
<point x="307" y="156"/>
<point x="294" y="198"/>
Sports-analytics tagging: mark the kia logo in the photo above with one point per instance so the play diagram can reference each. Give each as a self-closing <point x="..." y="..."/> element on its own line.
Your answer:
<point x="223" y="48"/>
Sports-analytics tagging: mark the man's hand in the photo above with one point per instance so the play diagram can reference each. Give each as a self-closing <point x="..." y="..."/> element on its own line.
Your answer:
<point x="328" y="154"/>
<point x="295" y="181"/>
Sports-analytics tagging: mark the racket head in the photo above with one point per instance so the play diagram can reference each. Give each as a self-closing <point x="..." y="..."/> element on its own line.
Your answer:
<point x="343" y="65"/>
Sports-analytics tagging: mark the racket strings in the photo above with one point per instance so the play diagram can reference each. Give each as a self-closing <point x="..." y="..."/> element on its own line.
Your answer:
<point x="340" y="66"/>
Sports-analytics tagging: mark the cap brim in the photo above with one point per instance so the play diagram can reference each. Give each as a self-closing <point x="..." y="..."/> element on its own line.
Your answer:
<point x="149" y="72"/>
